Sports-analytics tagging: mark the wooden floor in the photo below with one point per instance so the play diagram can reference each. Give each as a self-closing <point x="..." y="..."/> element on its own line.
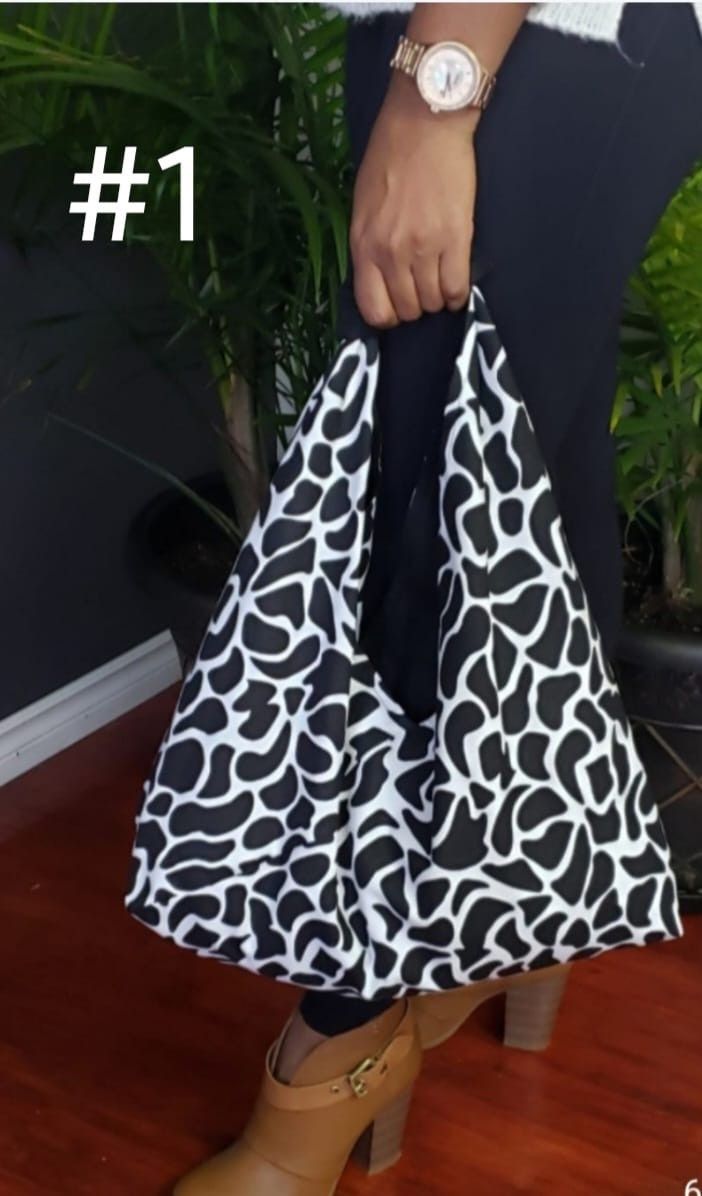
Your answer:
<point x="124" y="1059"/>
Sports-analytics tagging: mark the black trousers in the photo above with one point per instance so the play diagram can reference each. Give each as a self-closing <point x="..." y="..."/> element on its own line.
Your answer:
<point x="578" y="153"/>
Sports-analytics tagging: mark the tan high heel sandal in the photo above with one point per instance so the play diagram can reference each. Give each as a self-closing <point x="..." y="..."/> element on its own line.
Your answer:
<point x="349" y="1096"/>
<point x="531" y="1006"/>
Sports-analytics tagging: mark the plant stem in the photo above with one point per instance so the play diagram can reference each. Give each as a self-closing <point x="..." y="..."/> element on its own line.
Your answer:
<point x="672" y="558"/>
<point x="693" y="532"/>
<point x="238" y="452"/>
<point x="240" y="461"/>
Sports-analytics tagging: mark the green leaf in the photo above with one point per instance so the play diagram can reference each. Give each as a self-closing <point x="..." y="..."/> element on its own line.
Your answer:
<point x="226" y="524"/>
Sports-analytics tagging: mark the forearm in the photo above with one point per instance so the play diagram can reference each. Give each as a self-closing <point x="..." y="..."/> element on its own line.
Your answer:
<point x="412" y="220"/>
<point x="489" y="29"/>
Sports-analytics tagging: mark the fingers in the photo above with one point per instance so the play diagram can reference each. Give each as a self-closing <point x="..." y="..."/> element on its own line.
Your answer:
<point x="391" y="286"/>
<point x="427" y="281"/>
<point x="372" y="295"/>
<point x="384" y="284"/>
<point x="454" y="270"/>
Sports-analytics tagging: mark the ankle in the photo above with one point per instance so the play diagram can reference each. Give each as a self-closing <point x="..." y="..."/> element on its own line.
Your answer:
<point x="334" y="1013"/>
<point x="298" y="1039"/>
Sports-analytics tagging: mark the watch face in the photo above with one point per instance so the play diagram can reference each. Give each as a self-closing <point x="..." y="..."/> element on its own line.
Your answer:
<point x="447" y="76"/>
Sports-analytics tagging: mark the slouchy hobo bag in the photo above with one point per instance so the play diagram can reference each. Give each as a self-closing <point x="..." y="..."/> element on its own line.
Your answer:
<point x="297" y="822"/>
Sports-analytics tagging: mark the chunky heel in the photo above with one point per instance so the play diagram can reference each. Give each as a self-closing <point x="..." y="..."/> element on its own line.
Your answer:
<point x="532" y="1004"/>
<point x="380" y="1145"/>
<point x="531" y="1008"/>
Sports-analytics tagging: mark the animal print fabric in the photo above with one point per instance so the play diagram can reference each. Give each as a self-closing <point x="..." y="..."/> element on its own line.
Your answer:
<point x="297" y="823"/>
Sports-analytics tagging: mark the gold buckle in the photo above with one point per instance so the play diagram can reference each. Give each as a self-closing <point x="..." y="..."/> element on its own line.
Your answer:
<point x="359" y="1086"/>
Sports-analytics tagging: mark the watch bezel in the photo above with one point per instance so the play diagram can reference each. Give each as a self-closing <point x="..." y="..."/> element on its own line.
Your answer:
<point x="424" y="63"/>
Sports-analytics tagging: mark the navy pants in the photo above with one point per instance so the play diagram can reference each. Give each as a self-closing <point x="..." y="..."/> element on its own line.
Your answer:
<point x="578" y="153"/>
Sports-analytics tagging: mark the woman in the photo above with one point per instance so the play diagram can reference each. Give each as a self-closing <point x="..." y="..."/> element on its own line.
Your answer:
<point x="548" y="194"/>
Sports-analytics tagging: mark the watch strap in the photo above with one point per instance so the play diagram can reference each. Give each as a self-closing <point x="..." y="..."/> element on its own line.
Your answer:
<point x="486" y="86"/>
<point x="407" y="54"/>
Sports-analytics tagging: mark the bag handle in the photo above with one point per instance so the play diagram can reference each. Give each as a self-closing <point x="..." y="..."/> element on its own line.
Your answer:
<point x="353" y="327"/>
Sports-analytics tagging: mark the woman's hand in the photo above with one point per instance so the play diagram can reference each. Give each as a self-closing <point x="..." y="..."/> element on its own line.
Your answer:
<point x="412" y="217"/>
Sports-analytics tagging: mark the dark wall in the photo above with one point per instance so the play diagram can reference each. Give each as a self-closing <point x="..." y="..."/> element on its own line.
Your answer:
<point x="67" y="604"/>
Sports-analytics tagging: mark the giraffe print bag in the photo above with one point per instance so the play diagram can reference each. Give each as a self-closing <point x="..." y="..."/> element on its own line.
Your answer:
<point x="298" y="823"/>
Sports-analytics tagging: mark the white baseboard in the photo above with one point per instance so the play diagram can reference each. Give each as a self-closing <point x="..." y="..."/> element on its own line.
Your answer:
<point x="61" y="718"/>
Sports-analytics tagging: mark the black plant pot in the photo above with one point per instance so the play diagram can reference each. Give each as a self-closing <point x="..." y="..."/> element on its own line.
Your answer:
<point x="660" y="676"/>
<point x="660" y="673"/>
<point x="181" y="559"/>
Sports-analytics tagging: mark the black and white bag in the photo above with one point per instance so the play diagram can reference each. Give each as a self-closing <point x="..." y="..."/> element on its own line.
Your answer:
<point x="298" y="823"/>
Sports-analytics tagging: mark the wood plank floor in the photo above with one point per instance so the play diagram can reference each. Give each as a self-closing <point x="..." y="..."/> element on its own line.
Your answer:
<point x="124" y="1060"/>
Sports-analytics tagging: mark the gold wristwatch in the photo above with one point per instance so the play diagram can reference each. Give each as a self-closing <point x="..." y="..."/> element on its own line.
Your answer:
<point x="448" y="74"/>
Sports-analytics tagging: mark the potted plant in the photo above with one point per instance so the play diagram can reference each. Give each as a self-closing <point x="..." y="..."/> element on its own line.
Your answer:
<point x="657" y="419"/>
<point x="256" y="90"/>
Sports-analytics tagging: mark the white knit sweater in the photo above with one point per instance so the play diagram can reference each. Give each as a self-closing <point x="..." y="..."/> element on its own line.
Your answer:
<point x="599" y="22"/>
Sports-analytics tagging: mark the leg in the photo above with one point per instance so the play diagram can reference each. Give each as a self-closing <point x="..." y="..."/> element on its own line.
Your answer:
<point x="562" y="220"/>
<point x="318" y="1016"/>
<point x="331" y="1013"/>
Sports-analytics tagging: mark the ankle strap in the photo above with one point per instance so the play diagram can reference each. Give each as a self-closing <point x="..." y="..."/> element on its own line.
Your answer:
<point x="354" y="1084"/>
